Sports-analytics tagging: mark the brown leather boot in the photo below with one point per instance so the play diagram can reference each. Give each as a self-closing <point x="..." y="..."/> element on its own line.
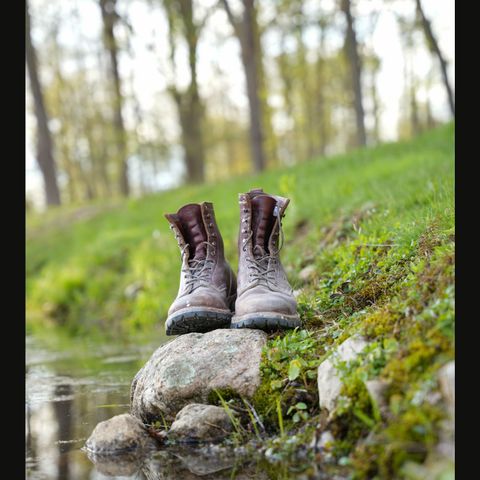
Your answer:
<point x="207" y="289"/>
<point x="264" y="297"/>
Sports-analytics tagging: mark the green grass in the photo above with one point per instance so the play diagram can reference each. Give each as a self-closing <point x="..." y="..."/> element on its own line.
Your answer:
<point x="77" y="270"/>
<point x="377" y="225"/>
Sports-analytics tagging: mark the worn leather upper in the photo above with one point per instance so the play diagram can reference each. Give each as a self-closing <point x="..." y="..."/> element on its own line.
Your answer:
<point x="190" y="222"/>
<point x="262" y="284"/>
<point x="206" y="279"/>
<point x="263" y="221"/>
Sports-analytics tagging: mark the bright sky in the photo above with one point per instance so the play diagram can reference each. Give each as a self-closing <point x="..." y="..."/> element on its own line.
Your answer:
<point x="219" y="51"/>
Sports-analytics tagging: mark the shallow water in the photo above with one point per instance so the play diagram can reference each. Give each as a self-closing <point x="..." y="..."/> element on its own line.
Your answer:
<point x="68" y="391"/>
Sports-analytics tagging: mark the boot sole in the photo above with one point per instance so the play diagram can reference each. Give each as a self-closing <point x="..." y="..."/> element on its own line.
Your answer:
<point x="268" y="321"/>
<point x="197" y="320"/>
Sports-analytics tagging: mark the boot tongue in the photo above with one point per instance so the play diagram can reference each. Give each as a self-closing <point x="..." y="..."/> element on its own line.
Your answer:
<point x="193" y="229"/>
<point x="262" y="222"/>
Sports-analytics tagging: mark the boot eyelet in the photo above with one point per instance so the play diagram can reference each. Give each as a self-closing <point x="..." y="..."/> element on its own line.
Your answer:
<point x="213" y="243"/>
<point x="210" y="225"/>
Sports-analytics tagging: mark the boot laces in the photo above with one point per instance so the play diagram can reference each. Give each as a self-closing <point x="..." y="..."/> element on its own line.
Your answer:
<point x="259" y="266"/>
<point x="282" y="240"/>
<point x="198" y="272"/>
<point x="259" y="270"/>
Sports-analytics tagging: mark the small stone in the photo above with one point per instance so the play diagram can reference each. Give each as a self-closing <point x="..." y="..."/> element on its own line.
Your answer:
<point x="328" y="378"/>
<point x="131" y="291"/>
<point x="446" y="445"/>
<point x="120" y="434"/>
<point x="197" y="422"/>
<point x="434" y="398"/>
<point x="377" y="389"/>
<point x="446" y="379"/>
<point x="325" y="439"/>
<point x="307" y="273"/>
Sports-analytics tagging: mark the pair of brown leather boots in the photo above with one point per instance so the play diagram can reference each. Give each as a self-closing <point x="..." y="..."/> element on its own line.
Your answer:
<point x="210" y="296"/>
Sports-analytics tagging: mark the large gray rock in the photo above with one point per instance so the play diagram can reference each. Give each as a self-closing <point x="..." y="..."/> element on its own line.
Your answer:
<point x="189" y="368"/>
<point x="120" y="434"/>
<point x="328" y="376"/>
<point x="199" y="422"/>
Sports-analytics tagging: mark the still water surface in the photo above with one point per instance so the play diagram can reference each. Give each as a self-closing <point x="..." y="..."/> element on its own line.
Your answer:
<point x="69" y="390"/>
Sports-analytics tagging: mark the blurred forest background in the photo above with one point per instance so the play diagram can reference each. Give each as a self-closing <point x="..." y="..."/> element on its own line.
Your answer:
<point x="129" y="97"/>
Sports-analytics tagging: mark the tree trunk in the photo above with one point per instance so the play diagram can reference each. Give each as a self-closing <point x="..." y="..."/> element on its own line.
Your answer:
<point x="434" y="47"/>
<point x="307" y="122"/>
<point x="45" y="157"/>
<point x="109" y="16"/>
<point x="246" y="33"/>
<point x="30" y="441"/>
<point x="270" y="144"/>
<point x="189" y="105"/>
<point x="252" y="77"/>
<point x="63" y="414"/>
<point x="428" y="113"/>
<point x="191" y="117"/>
<point x="414" y="117"/>
<point x="351" y="47"/>
<point x="321" y="113"/>
<point x="376" y="106"/>
<point x="285" y="71"/>
<point x="193" y="114"/>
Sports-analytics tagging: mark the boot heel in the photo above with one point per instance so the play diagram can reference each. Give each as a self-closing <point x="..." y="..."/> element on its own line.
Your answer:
<point x="197" y="320"/>
<point x="266" y="321"/>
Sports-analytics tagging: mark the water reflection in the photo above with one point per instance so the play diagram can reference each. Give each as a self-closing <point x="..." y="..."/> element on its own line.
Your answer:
<point x="207" y="463"/>
<point x="68" y="393"/>
<point x="63" y="413"/>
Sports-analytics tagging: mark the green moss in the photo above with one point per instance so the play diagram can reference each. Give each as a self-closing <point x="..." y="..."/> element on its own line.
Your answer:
<point x="288" y="373"/>
<point x="409" y="323"/>
<point x="229" y="395"/>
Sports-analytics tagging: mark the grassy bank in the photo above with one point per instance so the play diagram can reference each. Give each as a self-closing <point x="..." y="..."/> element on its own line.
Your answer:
<point x="369" y="249"/>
